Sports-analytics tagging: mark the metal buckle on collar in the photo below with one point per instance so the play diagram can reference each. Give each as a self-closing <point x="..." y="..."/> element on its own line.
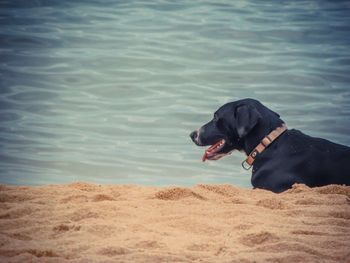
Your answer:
<point x="246" y="165"/>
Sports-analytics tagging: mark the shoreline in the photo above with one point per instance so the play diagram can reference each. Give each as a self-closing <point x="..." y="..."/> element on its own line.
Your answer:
<point x="84" y="222"/>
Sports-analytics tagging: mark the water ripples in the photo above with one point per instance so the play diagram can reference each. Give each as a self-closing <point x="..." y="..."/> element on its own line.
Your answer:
<point x="108" y="91"/>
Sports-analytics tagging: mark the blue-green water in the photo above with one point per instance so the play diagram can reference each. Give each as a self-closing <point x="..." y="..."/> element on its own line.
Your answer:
<point x="108" y="91"/>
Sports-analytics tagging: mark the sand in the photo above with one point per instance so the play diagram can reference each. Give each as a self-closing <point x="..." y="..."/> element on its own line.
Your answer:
<point x="83" y="222"/>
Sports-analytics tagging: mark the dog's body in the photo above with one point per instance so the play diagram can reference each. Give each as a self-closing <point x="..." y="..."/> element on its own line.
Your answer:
<point x="292" y="157"/>
<point x="298" y="158"/>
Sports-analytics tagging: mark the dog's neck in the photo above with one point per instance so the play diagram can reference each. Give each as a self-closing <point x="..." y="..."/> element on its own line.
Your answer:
<point x="257" y="134"/>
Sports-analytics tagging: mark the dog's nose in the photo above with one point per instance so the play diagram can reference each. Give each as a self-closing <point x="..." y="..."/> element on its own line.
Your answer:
<point x="194" y="135"/>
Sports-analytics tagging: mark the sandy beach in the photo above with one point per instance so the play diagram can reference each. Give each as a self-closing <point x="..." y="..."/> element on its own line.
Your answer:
<point x="83" y="222"/>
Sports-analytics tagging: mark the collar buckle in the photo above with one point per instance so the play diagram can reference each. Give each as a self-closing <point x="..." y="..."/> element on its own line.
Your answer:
<point x="246" y="165"/>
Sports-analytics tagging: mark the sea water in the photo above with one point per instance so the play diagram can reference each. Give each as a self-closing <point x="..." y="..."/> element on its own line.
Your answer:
<point x="109" y="91"/>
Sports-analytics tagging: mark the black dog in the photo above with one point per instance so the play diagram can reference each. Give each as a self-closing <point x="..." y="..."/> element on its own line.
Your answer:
<point x="283" y="157"/>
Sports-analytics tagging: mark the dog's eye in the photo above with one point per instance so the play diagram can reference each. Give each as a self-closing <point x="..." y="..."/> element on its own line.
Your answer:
<point x="216" y="118"/>
<point x="217" y="121"/>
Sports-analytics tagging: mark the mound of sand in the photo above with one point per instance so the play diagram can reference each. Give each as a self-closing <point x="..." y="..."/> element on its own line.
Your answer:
<point x="83" y="222"/>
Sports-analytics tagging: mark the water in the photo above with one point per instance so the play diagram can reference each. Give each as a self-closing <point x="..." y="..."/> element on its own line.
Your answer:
<point x="108" y="91"/>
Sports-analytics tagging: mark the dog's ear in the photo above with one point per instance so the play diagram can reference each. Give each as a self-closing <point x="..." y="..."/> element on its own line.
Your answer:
<point x="246" y="117"/>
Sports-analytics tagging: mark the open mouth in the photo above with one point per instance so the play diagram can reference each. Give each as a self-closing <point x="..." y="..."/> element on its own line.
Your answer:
<point x="213" y="152"/>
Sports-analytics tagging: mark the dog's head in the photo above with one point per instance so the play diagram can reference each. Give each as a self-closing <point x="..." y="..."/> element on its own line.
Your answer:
<point x="230" y="125"/>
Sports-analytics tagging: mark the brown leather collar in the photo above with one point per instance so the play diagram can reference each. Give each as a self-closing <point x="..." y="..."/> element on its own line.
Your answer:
<point x="248" y="163"/>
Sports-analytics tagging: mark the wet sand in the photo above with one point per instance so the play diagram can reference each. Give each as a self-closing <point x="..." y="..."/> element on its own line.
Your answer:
<point x="83" y="222"/>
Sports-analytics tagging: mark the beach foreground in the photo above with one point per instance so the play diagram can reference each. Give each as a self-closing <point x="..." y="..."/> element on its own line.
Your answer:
<point x="83" y="222"/>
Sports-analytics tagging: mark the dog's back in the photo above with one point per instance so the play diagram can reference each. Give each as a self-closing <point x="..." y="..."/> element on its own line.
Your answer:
<point x="298" y="158"/>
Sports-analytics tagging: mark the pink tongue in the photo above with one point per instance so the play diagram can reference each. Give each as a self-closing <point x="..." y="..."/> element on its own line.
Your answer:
<point x="207" y="151"/>
<point x="204" y="157"/>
